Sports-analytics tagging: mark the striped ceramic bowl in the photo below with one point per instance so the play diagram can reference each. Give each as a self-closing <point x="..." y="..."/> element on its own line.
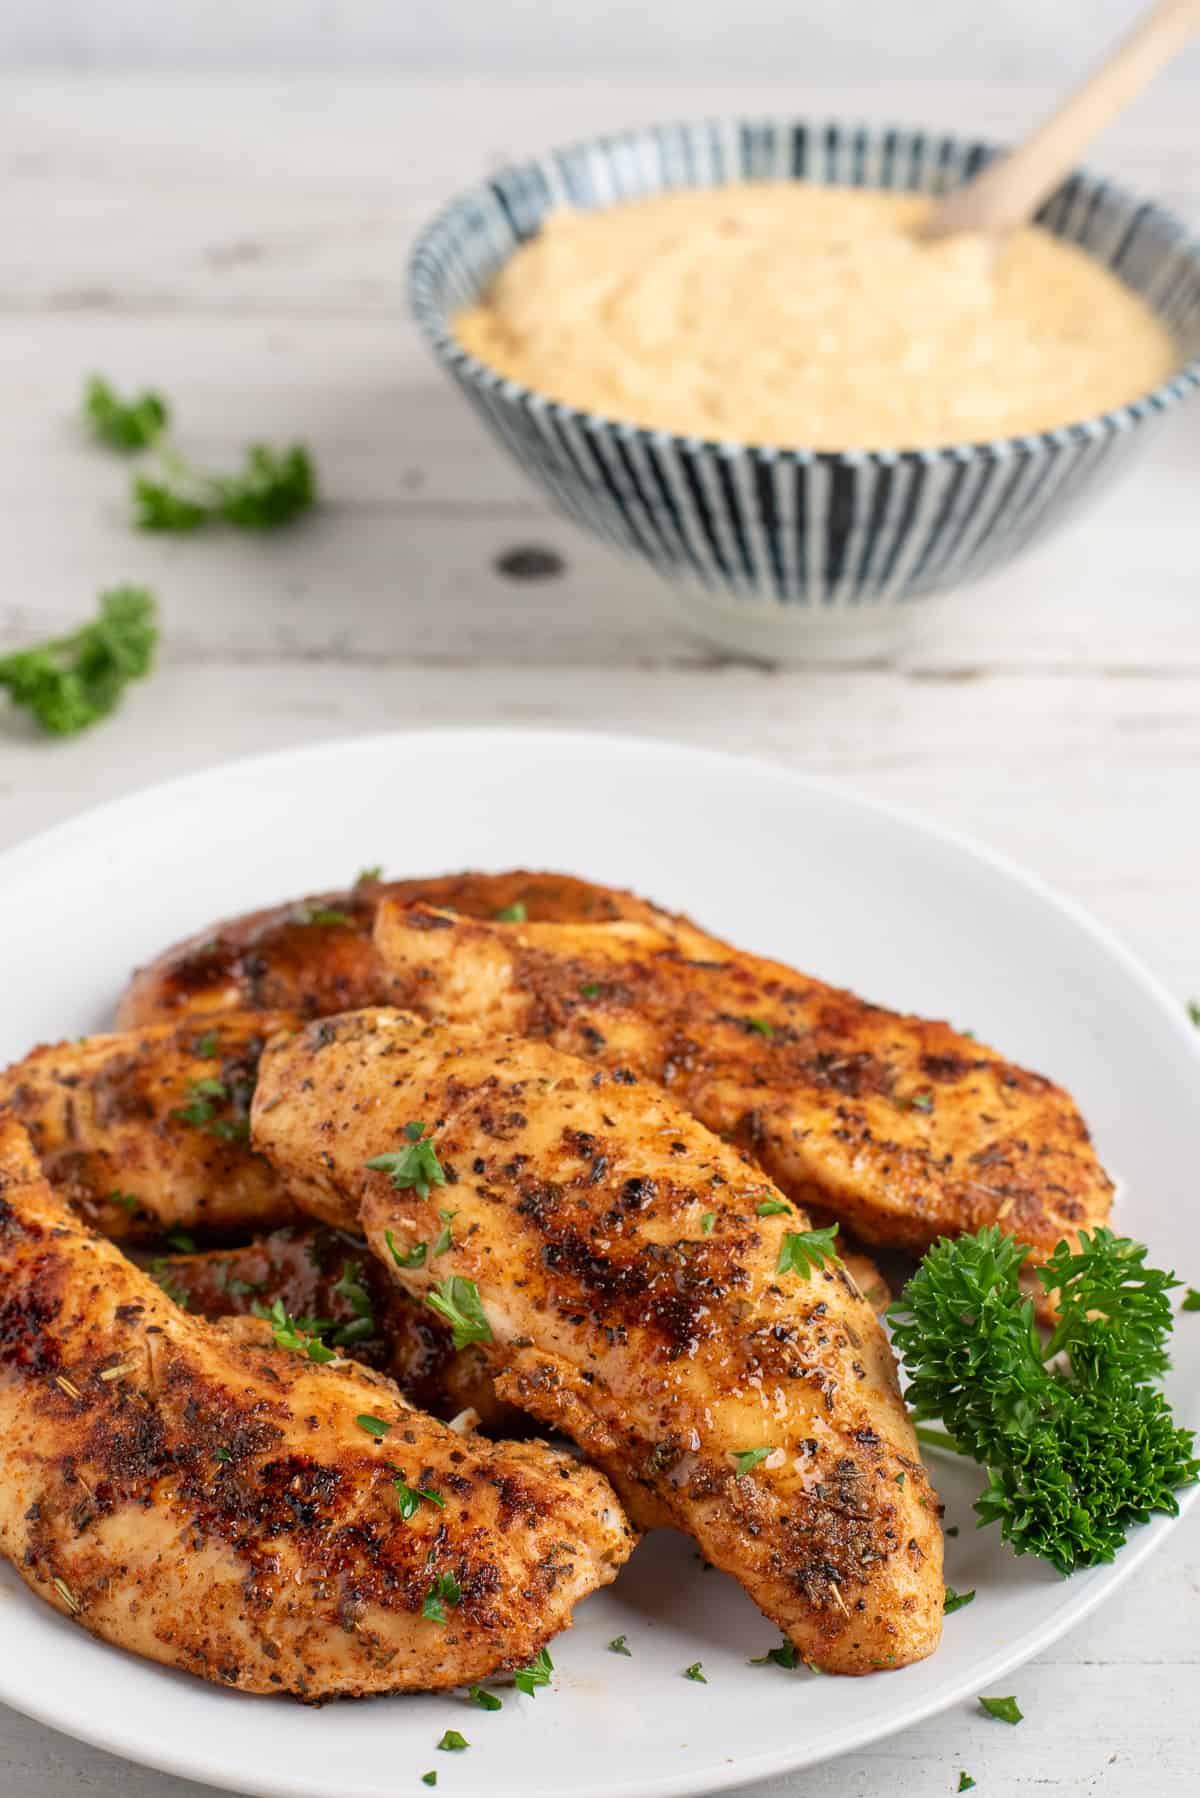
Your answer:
<point x="762" y="540"/>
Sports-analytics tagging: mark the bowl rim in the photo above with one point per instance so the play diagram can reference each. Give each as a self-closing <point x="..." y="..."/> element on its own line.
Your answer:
<point x="433" y="321"/>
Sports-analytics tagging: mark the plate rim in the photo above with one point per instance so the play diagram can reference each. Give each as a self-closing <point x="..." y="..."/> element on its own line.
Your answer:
<point x="770" y="1762"/>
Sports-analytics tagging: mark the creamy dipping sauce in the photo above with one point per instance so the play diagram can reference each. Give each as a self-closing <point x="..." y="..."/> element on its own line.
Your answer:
<point x="783" y="313"/>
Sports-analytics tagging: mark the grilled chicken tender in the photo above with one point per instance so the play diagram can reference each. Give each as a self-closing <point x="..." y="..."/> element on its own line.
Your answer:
<point x="149" y="1130"/>
<point x="627" y="1267"/>
<point x="316" y="1272"/>
<point x="899" y="1127"/>
<point x="192" y="1493"/>
<point x="316" y="955"/>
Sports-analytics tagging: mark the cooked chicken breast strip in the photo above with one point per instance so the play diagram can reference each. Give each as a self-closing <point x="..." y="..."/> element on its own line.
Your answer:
<point x="149" y="1130"/>
<point x="201" y="1497"/>
<point x="621" y="1266"/>
<point x="317" y="1272"/>
<point x="899" y="1127"/>
<point x="316" y="955"/>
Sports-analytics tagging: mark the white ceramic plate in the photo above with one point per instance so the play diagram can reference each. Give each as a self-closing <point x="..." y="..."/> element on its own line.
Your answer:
<point x="781" y="864"/>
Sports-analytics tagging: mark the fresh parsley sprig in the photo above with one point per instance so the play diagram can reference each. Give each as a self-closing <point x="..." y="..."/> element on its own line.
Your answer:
<point x="1077" y="1439"/>
<point x="68" y="683"/>
<point x="271" y="487"/>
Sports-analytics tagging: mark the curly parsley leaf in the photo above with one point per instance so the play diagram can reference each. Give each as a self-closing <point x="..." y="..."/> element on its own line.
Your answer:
<point x="123" y="424"/>
<point x="415" y="1165"/>
<point x="954" y="1601"/>
<point x="271" y="488"/>
<point x="528" y="1679"/>
<point x="1191" y="1300"/>
<point x="457" y="1300"/>
<point x="1077" y="1439"/>
<point x="786" y="1655"/>
<point x="71" y="682"/>
<point x="803" y="1251"/>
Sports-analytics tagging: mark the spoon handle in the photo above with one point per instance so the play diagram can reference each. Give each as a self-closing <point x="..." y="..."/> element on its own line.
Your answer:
<point x="1009" y="190"/>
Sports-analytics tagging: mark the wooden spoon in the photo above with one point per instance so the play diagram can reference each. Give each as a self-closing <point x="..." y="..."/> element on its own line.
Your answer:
<point x="1009" y="190"/>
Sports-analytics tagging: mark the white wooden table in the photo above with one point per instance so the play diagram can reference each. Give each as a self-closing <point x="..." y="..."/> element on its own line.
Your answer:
<point x="239" y="242"/>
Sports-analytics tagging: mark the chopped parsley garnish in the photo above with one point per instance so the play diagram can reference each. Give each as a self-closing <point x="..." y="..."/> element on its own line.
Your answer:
<point x="1077" y="1438"/>
<point x="694" y="1672"/>
<point x="414" y="1257"/>
<point x="619" y="1645"/>
<point x="410" y="1501"/>
<point x="271" y="487"/>
<point x="368" y="876"/>
<point x="443" y="1239"/>
<point x="955" y="1601"/>
<point x="786" y="1655"/>
<point x="900" y="1478"/>
<point x="590" y="991"/>
<point x="1006" y="1709"/>
<point x="965" y="1782"/>
<point x="748" y="1458"/>
<point x="128" y="1201"/>
<point x="922" y="1102"/>
<point x="320" y="914"/>
<point x="512" y="914"/>
<point x="205" y="1047"/>
<point x="528" y="1679"/>
<point x="123" y="424"/>
<point x="759" y="1026"/>
<point x="429" y="1779"/>
<point x="374" y="1426"/>
<point x="487" y="1701"/>
<point x="181" y="1242"/>
<point x="201" y="1110"/>
<point x="772" y="1208"/>
<point x="1193" y="1011"/>
<point x="1191" y="1300"/>
<point x="415" y="1165"/>
<point x="707" y="1222"/>
<point x="804" y="1250"/>
<point x="444" y="1591"/>
<point x="164" y="1276"/>
<point x="457" y="1300"/>
<point x="350" y="1287"/>
<point x="223" y="1454"/>
<point x="302" y="1335"/>
<point x="68" y="683"/>
<point x="452" y="1742"/>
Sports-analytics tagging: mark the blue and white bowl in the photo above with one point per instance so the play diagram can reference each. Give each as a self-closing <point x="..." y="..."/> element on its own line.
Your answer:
<point x="783" y="535"/>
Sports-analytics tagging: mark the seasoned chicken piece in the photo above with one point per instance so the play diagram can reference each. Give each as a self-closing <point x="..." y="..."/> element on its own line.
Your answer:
<point x="201" y="1497"/>
<point x="639" y="1285"/>
<point x="899" y="1127"/>
<point x="316" y="955"/>
<point x="149" y="1130"/>
<point x="316" y="1272"/>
